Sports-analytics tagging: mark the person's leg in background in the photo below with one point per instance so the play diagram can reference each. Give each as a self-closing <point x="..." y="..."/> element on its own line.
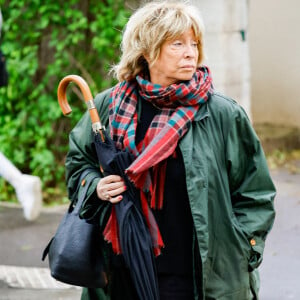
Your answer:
<point x="27" y="187"/>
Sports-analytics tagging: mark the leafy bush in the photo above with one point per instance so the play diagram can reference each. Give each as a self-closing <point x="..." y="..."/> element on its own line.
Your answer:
<point x="44" y="41"/>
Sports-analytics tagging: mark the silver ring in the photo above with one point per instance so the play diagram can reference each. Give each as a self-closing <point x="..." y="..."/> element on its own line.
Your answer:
<point x="106" y="196"/>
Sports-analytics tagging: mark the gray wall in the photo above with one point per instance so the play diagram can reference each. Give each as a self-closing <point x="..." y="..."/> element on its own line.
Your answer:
<point x="268" y="86"/>
<point x="226" y="48"/>
<point x="275" y="61"/>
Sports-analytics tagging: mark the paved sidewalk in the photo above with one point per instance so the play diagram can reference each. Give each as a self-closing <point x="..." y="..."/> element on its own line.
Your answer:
<point x="23" y="276"/>
<point x="280" y="270"/>
<point x="12" y="293"/>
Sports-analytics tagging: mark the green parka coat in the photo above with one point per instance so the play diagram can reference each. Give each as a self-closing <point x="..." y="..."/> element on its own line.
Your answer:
<point x="229" y="189"/>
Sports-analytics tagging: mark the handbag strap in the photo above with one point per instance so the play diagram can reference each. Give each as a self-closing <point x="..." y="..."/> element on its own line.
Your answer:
<point x="87" y="184"/>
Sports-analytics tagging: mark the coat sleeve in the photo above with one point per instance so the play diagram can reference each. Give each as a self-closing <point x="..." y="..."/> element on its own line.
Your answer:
<point x="251" y="187"/>
<point x="82" y="156"/>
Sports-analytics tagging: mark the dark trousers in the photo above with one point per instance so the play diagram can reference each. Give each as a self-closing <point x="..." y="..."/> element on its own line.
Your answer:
<point x="175" y="287"/>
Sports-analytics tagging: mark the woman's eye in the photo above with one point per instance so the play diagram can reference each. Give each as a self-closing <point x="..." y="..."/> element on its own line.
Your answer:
<point x="194" y="44"/>
<point x="177" y="43"/>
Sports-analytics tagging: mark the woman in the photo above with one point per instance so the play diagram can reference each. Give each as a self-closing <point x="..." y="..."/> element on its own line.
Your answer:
<point x="198" y="162"/>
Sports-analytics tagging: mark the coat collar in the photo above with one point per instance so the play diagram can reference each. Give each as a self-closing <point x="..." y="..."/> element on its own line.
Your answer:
<point x="203" y="112"/>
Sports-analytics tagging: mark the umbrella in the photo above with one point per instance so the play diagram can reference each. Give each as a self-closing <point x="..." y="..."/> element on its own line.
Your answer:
<point x="135" y="240"/>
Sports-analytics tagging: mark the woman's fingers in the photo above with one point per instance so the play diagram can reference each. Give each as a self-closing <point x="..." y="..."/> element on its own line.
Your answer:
<point x="110" y="188"/>
<point x="117" y="199"/>
<point x="111" y="178"/>
<point x="114" y="186"/>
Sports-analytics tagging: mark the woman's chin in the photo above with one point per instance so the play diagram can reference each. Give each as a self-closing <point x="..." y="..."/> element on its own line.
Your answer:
<point x="186" y="77"/>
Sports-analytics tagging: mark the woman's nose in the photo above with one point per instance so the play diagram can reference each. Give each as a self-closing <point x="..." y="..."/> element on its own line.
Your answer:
<point x="190" y="51"/>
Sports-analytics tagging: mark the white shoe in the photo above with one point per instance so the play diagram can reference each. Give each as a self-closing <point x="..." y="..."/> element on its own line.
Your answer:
<point x="29" y="194"/>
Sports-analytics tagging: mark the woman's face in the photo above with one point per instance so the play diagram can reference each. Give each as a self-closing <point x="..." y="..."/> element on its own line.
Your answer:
<point x="177" y="60"/>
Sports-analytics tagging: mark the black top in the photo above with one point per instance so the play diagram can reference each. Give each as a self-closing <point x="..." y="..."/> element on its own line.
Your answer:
<point x="174" y="219"/>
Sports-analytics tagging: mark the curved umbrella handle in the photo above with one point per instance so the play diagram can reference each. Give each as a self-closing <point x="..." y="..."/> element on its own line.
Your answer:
<point x="88" y="98"/>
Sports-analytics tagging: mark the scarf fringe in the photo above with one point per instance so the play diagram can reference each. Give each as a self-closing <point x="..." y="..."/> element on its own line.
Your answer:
<point x="157" y="192"/>
<point x="111" y="232"/>
<point x="157" y="241"/>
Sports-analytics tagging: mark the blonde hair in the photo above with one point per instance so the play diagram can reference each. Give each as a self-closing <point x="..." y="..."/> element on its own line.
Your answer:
<point x="149" y="27"/>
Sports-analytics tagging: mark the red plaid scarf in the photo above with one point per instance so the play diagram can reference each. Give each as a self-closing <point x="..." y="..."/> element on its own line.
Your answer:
<point x="178" y="103"/>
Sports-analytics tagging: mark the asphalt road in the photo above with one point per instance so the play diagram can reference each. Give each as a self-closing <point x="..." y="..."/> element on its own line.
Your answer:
<point x="24" y="276"/>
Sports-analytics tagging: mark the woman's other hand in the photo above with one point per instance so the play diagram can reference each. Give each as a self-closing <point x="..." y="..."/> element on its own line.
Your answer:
<point x="110" y="188"/>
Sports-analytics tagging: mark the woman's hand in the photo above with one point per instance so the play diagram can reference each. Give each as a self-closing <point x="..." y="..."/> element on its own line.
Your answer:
<point x="110" y="188"/>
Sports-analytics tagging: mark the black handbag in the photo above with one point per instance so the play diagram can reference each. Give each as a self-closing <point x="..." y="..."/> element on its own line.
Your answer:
<point x="75" y="252"/>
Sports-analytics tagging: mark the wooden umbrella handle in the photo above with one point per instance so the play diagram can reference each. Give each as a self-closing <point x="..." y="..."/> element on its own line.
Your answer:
<point x="88" y="98"/>
<point x="87" y="95"/>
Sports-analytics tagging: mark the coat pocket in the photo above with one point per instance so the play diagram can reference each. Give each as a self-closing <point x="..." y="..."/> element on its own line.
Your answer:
<point x="241" y="237"/>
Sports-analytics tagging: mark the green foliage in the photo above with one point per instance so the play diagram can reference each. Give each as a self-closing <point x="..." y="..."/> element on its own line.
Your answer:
<point x="287" y="159"/>
<point x="44" y="41"/>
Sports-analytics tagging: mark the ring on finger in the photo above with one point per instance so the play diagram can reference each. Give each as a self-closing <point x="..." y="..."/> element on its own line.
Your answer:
<point x="106" y="196"/>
